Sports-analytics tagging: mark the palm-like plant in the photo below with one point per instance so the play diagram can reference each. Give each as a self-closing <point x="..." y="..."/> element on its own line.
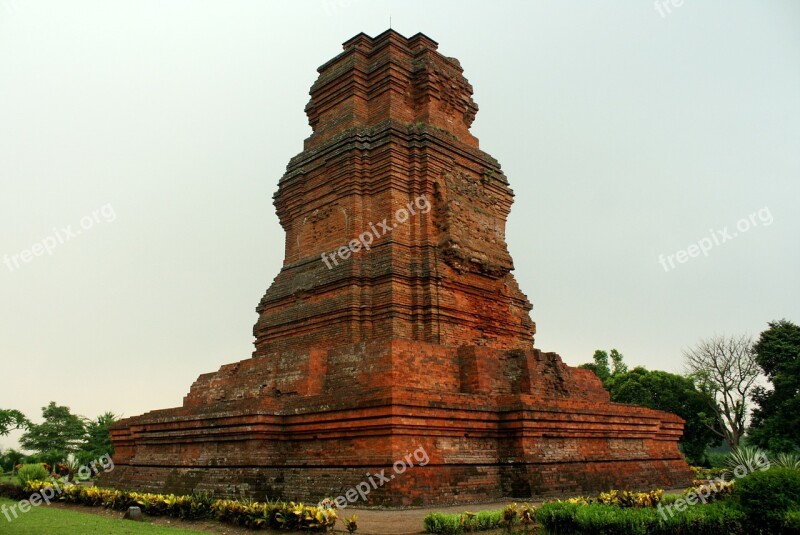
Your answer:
<point x="786" y="460"/>
<point x="748" y="458"/>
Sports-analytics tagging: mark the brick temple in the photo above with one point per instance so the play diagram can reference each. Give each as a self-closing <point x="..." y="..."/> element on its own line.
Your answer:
<point x="417" y="336"/>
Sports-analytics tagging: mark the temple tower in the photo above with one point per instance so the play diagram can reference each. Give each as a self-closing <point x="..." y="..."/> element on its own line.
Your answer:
<point x="396" y="326"/>
<point x="391" y="159"/>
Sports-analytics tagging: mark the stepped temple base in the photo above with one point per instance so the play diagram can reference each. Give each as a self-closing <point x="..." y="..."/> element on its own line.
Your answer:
<point x="487" y="431"/>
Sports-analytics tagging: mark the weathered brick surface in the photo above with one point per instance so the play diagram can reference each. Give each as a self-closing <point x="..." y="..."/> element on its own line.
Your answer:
<point x="424" y="340"/>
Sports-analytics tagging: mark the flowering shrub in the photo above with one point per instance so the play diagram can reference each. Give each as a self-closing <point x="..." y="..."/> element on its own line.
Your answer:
<point x="711" y="491"/>
<point x="627" y="498"/>
<point x="619" y="498"/>
<point x="701" y="473"/>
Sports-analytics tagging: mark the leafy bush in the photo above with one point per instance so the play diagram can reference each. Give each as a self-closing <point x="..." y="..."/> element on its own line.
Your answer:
<point x="351" y="524"/>
<point x="716" y="459"/>
<point x="791" y="522"/>
<point x="620" y="498"/>
<point x="527" y="515"/>
<point x="279" y="515"/>
<point x="12" y="491"/>
<point x="299" y="517"/>
<point x="484" y="520"/>
<point x="712" y="519"/>
<point x="626" y="498"/>
<point x="9" y="459"/>
<point x="767" y="496"/>
<point x="506" y="518"/>
<point x="448" y="524"/>
<point x="29" y="472"/>
<point x="711" y="473"/>
<point x="559" y="517"/>
<point x="571" y="518"/>
<point x="712" y="491"/>
<point x="509" y="516"/>
<point x="579" y="500"/>
<point x="668" y="499"/>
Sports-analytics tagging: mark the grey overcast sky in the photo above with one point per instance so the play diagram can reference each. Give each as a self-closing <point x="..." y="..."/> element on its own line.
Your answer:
<point x="159" y="130"/>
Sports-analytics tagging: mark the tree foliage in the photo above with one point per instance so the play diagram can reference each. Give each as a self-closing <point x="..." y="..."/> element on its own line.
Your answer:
<point x="604" y="369"/>
<point x="98" y="438"/>
<point x="10" y="458"/>
<point x="724" y="368"/>
<point x="776" y="418"/>
<point x="11" y="419"/>
<point x="668" y="392"/>
<point x="60" y="434"/>
<point x="657" y="390"/>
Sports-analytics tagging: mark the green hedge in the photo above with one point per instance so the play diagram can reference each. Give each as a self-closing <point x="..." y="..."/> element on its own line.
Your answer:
<point x="597" y="519"/>
<point x="505" y="518"/>
<point x="454" y="523"/>
<point x="791" y="522"/>
<point x="766" y="497"/>
<point x="13" y="491"/>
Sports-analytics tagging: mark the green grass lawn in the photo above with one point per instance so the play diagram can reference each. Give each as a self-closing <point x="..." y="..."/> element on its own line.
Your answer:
<point x="44" y="520"/>
<point x="5" y="478"/>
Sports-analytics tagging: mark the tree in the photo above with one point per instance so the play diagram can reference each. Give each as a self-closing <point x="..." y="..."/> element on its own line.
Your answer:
<point x="98" y="438"/>
<point x="668" y="392"/>
<point x="725" y="369"/>
<point x="60" y="434"/>
<point x="11" y="419"/>
<point x="776" y="418"/>
<point x="618" y="362"/>
<point x="9" y="459"/>
<point x="601" y="367"/>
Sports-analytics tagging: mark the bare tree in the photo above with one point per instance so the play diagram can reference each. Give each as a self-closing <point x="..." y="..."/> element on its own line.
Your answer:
<point x="725" y="368"/>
